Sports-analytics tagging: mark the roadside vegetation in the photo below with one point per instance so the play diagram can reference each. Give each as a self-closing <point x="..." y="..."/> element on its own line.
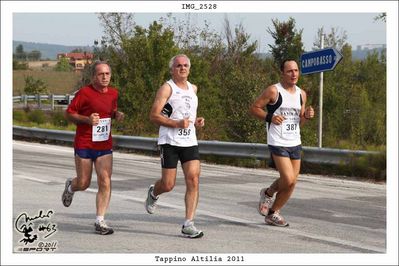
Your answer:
<point x="230" y="73"/>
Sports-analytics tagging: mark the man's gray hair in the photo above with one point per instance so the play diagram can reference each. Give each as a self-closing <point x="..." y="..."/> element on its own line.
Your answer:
<point x="95" y="64"/>
<point x="172" y="60"/>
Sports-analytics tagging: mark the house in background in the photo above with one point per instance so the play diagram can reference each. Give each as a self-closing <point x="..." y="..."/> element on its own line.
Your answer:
<point x="77" y="60"/>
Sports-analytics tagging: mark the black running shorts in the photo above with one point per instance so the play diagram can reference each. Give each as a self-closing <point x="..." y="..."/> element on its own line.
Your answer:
<point x="171" y="154"/>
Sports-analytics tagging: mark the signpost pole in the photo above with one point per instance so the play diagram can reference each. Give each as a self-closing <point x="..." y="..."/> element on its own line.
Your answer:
<point x="320" y="61"/>
<point x="321" y="97"/>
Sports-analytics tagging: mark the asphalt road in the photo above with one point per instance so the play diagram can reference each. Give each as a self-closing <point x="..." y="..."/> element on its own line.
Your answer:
<point x="327" y="215"/>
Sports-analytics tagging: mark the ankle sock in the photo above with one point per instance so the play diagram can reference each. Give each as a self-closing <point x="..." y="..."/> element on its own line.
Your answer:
<point x="99" y="219"/>
<point x="187" y="223"/>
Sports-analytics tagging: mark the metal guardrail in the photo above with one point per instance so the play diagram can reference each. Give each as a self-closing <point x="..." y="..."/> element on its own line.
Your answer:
<point x="52" y="98"/>
<point x="21" y="98"/>
<point x="219" y="148"/>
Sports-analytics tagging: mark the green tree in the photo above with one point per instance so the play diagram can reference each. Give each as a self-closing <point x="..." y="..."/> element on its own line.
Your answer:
<point x="240" y="79"/>
<point x="335" y="38"/>
<point x="100" y="50"/>
<point x="139" y="59"/>
<point x="117" y="26"/>
<point x="354" y="111"/>
<point x="20" y="54"/>
<point x="63" y="65"/>
<point x="334" y="96"/>
<point x="34" y="55"/>
<point x="288" y="41"/>
<point x="238" y="45"/>
<point x="358" y="108"/>
<point x="371" y="76"/>
<point x="19" y="49"/>
<point x="229" y="76"/>
<point x="336" y="111"/>
<point x="35" y="86"/>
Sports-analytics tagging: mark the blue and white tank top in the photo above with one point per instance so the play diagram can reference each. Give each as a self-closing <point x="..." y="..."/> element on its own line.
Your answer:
<point x="288" y="105"/>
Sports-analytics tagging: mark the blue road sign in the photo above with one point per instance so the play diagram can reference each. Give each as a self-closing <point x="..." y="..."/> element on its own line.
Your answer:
<point x="320" y="61"/>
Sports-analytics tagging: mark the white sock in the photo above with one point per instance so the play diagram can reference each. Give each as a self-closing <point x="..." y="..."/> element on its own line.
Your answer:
<point x="99" y="219"/>
<point x="187" y="222"/>
<point x="70" y="189"/>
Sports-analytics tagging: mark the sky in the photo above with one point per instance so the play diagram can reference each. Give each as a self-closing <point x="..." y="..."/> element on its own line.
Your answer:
<point x="81" y="29"/>
<point x="75" y="23"/>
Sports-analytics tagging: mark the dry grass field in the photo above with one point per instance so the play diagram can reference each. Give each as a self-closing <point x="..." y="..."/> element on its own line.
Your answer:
<point x="57" y="82"/>
<point x="41" y="64"/>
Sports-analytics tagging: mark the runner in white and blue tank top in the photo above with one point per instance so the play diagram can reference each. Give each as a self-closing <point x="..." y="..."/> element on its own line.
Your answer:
<point x="285" y="112"/>
<point x="288" y="105"/>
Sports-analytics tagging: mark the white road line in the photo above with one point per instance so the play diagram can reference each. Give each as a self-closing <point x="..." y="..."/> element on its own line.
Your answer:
<point x="32" y="178"/>
<point x="42" y="147"/>
<point x="256" y="224"/>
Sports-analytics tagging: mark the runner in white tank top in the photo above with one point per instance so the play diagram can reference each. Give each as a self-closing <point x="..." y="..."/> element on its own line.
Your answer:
<point x="286" y="112"/>
<point x="181" y="104"/>
<point x="286" y="134"/>
<point x="175" y="111"/>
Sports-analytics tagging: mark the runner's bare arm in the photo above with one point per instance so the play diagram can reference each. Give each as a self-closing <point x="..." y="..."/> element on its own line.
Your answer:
<point x="156" y="116"/>
<point x="306" y="112"/>
<point x="257" y="109"/>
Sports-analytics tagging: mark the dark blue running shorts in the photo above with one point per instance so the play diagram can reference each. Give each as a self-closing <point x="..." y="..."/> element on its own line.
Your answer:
<point x="294" y="153"/>
<point x="171" y="154"/>
<point x="91" y="154"/>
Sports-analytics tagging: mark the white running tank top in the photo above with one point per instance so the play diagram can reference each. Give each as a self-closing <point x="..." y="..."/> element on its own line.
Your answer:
<point x="288" y="105"/>
<point x="181" y="104"/>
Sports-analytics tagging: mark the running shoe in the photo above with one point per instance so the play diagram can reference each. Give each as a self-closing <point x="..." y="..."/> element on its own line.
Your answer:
<point x="191" y="232"/>
<point x="150" y="203"/>
<point x="265" y="202"/>
<point x="276" y="219"/>
<point x="102" y="228"/>
<point x="66" y="195"/>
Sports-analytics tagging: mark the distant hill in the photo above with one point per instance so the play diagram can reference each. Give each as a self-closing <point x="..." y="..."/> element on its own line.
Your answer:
<point x="49" y="51"/>
<point x="360" y="54"/>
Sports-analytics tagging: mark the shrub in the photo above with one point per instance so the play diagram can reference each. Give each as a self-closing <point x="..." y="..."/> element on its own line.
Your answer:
<point x="58" y="119"/>
<point x="35" y="86"/>
<point x="63" y="65"/>
<point x="371" y="167"/>
<point x="37" y="116"/>
<point x="20" y="116"/>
